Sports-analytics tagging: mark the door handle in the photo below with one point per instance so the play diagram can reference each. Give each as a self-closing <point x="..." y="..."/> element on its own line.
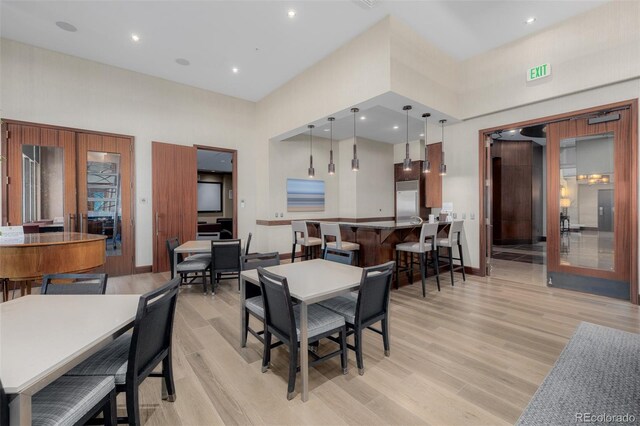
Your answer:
<point x="601" y="211"/>
<point x="157" y="222"/>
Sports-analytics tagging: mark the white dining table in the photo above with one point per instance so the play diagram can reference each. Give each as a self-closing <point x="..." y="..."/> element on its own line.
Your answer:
<point x="44" y="336"/>
<point x="309" y="282"/>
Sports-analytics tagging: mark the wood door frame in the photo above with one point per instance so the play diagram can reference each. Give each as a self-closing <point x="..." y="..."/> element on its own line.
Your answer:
<point x="632" y="104"/>
<point x="234" y="180"/>
<point x="7" y="121"/>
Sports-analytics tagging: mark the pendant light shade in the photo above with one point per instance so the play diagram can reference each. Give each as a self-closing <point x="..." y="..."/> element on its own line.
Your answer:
<point x="355" y="163"/>
<point x="426" y="166"/>
<point x="312" y="171"/>
<point x="443" y="166"/>
<point x="406" y="164"/>
<point x="332" y="166"/>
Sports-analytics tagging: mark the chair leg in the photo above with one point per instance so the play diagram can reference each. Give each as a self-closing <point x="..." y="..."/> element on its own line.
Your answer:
<point x="133" y="409"/>
<point x="293" y="369"/>
<point x="385" y="337"/>
<point x="409" y="272"/>
<point x="450" y="251"/>
<point x="109" y="412"/>
<point x="293" y="253"/>
<point x="397" y="269"/>
<point x="204" y="282"/>
<point x="246" y="324"/>
<point x="266" y="352"/>
<point x="358" y="343"/>
<point x="344" y="350"/>
<point x="464" y="277"/>
<point x="167" y="376"/>
<point x="422" y="275"/>
<point x="411" y="256"/>
<point x="434" y="259"/>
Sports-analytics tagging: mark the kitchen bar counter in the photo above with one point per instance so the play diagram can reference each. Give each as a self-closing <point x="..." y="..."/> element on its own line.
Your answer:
<point x="377" y="239"/>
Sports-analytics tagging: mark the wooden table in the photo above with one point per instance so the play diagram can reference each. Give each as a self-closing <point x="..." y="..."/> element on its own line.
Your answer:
<point x="43" y="337"/>
<point x="30" y="256"/>
<point x="309" y="282"/>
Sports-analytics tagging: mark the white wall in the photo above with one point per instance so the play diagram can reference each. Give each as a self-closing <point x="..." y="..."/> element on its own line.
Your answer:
<point x="48" y="87"/>
<point x="375" y="181"/>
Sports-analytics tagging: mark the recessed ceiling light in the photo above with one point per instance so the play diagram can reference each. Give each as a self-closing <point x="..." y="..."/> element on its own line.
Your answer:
<point x="135" y="37"/>
<point x="530" y="20"/>
<point x="235" y="70"/>
<point x="66" y="26"/>
<point x="421" y="134"/>
<point x="291" y="13"/>
<point x="363" y="117"/>
<point x="326" y="130"/>
<point x="182" y="61"/>
<point x="395" y="127"/>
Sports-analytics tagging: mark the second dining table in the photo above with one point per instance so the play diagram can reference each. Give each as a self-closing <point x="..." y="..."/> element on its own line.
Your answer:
<point x="309" y="282"/>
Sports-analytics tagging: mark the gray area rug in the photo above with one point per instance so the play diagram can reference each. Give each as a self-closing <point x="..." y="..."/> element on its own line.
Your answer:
<point x="596" y="380"/>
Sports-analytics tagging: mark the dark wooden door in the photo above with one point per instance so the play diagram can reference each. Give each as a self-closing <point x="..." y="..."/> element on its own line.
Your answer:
<point x="175" y="175"/>
<point x="105" y="196"/>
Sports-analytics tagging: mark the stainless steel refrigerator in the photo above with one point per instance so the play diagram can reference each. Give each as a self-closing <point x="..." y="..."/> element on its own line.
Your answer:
<point x="407" y="200"/>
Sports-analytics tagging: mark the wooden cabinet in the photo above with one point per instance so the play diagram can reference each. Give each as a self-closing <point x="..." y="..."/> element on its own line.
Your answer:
<point x="433" y="180"/>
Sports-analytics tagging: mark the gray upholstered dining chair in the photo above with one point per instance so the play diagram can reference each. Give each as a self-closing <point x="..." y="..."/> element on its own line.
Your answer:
<point x="371" y="305"/>
<point x="332" y="230"/>
<point x="196" y="264"/>
<point x="454" y="238"/>
<point x="301" y="238"/>
<point x="253" y="304"/>
<point x="74" y="284"/>
<point x="69" y="401"/>
<point x="132" y="357"/>
<point x="225" y="260"/>
<point x="282" y="320"/>
<point x="425" y="245"/>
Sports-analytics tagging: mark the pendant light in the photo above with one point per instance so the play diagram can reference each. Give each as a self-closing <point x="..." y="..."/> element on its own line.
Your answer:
<point x="443" y="167"/>
<point x="406" y="165"/>
<point x="426" y="166"/>
<point x="355" y="163"/>
<point x="332" y="166"/>
<point x="312" y="171"/>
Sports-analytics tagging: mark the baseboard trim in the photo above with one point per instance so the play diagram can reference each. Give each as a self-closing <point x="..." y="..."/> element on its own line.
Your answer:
<point x="145" y="269"/>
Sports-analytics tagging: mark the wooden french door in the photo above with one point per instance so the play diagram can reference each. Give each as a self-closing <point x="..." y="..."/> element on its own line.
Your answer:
<point x="175" y="175"/>
<point x="21" y="138"/>
<point x="586" y="156"/>
<point x="105" y="186"/>
<point x="59" y="160"/>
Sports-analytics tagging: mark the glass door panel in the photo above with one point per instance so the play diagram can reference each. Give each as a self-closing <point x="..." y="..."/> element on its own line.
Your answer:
<point x="104" y="200"/>
<point x="587" y="185"/>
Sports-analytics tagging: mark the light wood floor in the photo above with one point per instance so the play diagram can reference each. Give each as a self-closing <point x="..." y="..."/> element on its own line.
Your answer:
<point x="473" y="354"/>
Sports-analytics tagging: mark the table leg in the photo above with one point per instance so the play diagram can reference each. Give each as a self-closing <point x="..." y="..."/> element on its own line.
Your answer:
<point x="304" y="351"/>
<point x="20" y="410"/>
<point x="243" y="317"/>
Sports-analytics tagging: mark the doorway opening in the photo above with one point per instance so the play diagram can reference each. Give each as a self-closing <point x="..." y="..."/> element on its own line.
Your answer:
<point x="518" y="167"/>
<point x="588" y="200"/>
<point x="216" y="192"/>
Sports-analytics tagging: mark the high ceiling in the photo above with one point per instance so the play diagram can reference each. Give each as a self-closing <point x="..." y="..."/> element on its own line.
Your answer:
<point x="257" y="37"/>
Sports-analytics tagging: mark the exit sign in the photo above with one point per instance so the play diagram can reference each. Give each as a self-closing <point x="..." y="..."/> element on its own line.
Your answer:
<point x="540" y="71"/>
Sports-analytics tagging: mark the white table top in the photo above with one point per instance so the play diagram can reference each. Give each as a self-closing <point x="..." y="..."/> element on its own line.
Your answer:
<point x="314" y="280"/>
<point x="40" y="334"/>
<point x="199" y="246"/>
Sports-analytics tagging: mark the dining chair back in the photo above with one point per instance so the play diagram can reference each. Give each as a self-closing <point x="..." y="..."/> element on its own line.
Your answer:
<point x="330" y="230"/>
<point x="246" y="247"/>
<point x="339" y="256"/>
<point x="428" y="234"/>
<point x="300" y="232"/>
<point x="4" y="407"/>
<point x="254" y="261"/>
<point x="172" y="244"/>
<point x="454" y="232"/>
<point x="74" y="284"/>
<point x="225" y="259"/>
<point x="278" y="307"/>
<point x="373" y="295"/>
